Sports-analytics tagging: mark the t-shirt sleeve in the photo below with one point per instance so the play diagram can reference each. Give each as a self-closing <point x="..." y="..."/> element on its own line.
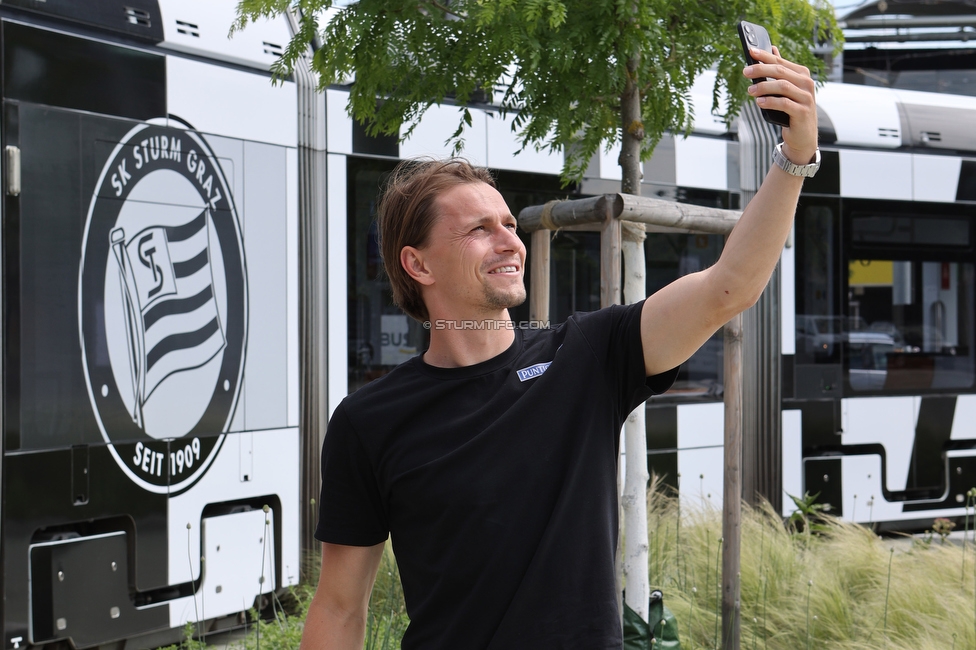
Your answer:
<point x="615" y="335"/>
<point x="350" y="508"/>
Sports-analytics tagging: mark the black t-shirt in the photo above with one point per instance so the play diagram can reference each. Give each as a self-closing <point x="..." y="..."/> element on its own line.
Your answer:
<point x="497" y="483"/>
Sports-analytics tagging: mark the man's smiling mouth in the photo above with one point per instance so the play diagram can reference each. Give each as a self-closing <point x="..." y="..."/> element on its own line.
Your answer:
<point x="504" y="269"/>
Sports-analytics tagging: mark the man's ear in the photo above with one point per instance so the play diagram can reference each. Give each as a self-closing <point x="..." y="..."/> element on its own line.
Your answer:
<point x="413" y="262"/>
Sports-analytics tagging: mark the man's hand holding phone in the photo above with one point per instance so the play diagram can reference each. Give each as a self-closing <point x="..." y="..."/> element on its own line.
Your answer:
<point x="787" y="87"/>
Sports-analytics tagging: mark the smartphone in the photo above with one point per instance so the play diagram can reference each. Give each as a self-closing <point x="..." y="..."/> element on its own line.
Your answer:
<point x="753" y="35"/>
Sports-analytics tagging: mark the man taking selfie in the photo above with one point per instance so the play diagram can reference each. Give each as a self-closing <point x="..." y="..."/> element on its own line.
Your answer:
<point x="491" y="459"/>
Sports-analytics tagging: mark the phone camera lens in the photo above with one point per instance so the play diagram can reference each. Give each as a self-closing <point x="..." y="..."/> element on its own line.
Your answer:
<point x="747" y="29"/>
<point x="752" y="39"/>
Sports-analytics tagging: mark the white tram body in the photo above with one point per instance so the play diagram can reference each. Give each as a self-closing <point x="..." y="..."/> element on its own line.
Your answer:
<point x="150" y="338"/>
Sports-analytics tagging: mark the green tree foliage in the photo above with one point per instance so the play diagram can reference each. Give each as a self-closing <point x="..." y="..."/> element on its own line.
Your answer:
<point x="559" y="67"/>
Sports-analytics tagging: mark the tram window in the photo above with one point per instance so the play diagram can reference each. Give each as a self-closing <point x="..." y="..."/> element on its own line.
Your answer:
<point x="668" y="258"/>
<point x="909" y="325"/>
<point x="380" y="335"/>
<point x="574" y="274"/>
<point x="818" y="324"/>
<point x="55" y="69"/>
<point x="907" y="230"/>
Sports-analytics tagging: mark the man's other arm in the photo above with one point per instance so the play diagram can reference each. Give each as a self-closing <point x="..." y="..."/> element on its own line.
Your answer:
<point x="336" y="617"/>
<point x="678" y="319"/>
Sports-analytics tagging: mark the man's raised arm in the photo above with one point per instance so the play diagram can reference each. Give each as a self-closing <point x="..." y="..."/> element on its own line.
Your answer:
<point x="679" y="318"/>
<point x="336" y="617"/>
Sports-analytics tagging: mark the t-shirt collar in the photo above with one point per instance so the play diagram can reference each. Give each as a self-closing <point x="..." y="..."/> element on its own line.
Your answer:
<point x="483" y="368"/>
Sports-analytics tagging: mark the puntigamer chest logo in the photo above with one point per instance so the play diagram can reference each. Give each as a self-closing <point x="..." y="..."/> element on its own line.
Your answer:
<point x="163" y="305"/>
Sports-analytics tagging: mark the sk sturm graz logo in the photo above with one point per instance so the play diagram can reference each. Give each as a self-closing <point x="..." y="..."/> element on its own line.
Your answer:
<point x="163" y="306"/>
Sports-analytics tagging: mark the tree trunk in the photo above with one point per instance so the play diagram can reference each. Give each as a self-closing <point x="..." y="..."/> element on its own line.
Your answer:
<point x="634" y="498"/>
<point x="632" y="131"/>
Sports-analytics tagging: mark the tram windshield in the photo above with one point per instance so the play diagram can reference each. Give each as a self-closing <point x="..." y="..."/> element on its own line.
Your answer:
<point x="910" y="325"/>
<point x="885" y="299"/>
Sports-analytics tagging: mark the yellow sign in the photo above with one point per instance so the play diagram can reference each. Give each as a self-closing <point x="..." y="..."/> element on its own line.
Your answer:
<point x="870" y="273"/>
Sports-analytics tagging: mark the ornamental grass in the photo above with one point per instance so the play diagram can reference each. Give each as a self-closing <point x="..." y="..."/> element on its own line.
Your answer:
<point x="815" y="582"/>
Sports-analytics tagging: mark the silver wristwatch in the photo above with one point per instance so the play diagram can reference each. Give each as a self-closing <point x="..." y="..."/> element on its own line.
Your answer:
<point x="784" y="163"/>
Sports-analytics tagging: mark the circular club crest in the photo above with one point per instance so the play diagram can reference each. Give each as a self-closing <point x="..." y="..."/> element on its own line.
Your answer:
<point x="162" y="306"/>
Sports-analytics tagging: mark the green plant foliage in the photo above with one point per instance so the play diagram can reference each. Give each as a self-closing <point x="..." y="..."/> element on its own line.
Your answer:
<point x="387" y="619"/>
<point x="942" y="527"/>
<point x="283" y="630"/>
<point x="809" y="515"/>
<point x="843" y="588"/>
<point x="558" y="66"/>
<point x="189" y="642"/>
<point x="280" y="625"/>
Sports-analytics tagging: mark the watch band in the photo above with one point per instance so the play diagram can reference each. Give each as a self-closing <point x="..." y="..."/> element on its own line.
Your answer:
<point x="788" y="166"/>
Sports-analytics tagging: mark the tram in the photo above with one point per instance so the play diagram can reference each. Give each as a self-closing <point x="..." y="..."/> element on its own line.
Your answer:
<point x="167" y="211"/>
<point x="150" y="467"/>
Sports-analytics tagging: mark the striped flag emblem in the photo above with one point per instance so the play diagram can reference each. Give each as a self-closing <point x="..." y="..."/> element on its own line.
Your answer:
<point x="172" y="318"/>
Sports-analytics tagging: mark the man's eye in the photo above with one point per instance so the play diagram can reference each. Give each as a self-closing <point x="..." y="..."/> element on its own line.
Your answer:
<point x="511" y="225"/>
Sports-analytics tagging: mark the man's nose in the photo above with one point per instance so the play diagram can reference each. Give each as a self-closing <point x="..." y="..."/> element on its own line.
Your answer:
<point x="507" y="240"/>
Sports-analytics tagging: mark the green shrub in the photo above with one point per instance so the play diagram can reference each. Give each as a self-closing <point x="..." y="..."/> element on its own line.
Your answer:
<point x="842" y="588"/>
<point x="281" y="622"/>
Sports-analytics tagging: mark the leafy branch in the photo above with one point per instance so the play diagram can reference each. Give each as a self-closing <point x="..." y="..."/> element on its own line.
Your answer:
<point x="559" y="66"/>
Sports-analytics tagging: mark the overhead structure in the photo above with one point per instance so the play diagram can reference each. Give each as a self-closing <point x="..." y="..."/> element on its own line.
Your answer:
<point x="883" y="21"/>
<point x="925" y="45"/>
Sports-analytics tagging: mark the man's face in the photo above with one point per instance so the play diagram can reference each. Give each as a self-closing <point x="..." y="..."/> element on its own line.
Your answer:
<point x="477" y="260"/>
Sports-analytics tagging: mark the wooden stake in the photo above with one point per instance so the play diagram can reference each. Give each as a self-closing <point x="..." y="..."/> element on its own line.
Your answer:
<point x="663" y="216"/>
<point x="568" y="213"/>
<point x="610" y="263"/>
<point x="610" y="295"/>
<point x="732" y="487"/>
<point x="539" y="282"/>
